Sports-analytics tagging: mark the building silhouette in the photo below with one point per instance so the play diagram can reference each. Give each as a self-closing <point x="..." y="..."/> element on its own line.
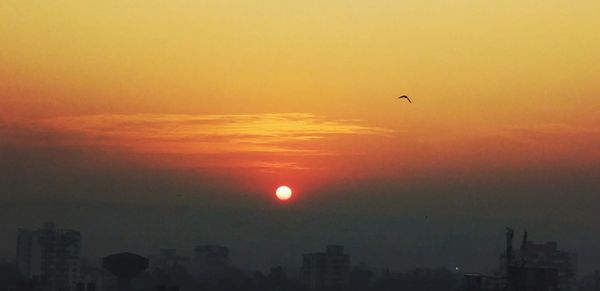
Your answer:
<point x="533" y="267"/>
<point x="327" y="270"/>
<point x="50" y="255"/>
<point x="548" y="256"/>
<point x="547" y="259"/>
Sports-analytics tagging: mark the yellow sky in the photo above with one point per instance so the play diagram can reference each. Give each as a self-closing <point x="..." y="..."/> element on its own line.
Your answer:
<point x="340" y="57"/>
<point x="472" y="68"/>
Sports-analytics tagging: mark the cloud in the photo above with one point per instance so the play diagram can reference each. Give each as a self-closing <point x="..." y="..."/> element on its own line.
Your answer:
<point x="181" y="134"/>
<point x="276" y="143"/>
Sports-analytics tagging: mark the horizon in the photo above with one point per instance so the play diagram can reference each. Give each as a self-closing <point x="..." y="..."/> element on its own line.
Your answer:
<point x="176" y="121"/>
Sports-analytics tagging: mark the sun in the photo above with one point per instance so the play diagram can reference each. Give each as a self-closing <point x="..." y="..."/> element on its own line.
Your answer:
<point x="283" y="193"/>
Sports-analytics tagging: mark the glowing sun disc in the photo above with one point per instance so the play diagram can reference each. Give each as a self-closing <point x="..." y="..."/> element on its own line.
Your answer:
<point x="283" y="193"/>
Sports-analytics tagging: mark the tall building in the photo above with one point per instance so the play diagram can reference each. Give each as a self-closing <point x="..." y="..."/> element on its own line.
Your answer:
<point x="547" y="255"/>
<point x="544" y="256"/>
<point x="326" y="271"/>
<point x="51" y="255"/>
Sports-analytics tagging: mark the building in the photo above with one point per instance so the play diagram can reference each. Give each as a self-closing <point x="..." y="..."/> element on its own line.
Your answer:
<point x="542" y="260"/>
<point x="168" y="259"/>
<point x="326" y="271"/>
<point x="548" y="256"/>
<point x="532" y="278"/>
<point x="51" y="255"/>
<point x="534" y="267"/>
<point x="210" y="259"/>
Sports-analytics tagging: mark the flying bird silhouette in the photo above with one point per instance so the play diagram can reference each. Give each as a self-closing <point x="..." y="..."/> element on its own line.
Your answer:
<point x="404" y="96"/>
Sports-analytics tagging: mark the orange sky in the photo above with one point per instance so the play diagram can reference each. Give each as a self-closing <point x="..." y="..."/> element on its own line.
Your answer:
<point x="303" y="92"/>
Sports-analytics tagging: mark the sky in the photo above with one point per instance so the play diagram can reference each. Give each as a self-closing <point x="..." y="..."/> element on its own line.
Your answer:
<point x="114" y="112"/>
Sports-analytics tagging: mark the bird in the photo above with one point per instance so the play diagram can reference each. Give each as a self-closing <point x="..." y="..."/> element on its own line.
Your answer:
<point x="404" y="96"/>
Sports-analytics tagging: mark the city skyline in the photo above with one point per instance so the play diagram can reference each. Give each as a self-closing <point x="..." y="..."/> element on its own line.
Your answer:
<point x="50" y="256"/>
<point x="174" y="122"/>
